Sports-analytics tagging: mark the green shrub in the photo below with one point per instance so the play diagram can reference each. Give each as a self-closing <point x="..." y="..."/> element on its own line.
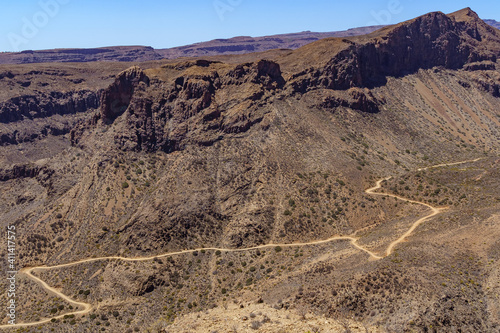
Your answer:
<point x="125" y="185"/>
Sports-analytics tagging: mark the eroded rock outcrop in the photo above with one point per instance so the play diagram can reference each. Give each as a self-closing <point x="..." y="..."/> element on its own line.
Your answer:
<point x="203" y="103"/>
<point x="354" y="98"/>
<point x="116" y="99"/>
<point x="42" y="174"/>
<point x="44" y="105"/>
<point x="432" y="40"/>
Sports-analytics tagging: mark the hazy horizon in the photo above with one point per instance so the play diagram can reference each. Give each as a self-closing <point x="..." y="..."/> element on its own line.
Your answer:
<point x="51" y="24"/>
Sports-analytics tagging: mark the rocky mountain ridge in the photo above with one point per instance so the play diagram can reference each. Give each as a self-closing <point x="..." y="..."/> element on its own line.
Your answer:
<point x="356" y="65"/>
<point x="114" y="53"/>
<point x="273" y="149"/>
<point x="434" y="40"/>
<point x="236" y="45"/>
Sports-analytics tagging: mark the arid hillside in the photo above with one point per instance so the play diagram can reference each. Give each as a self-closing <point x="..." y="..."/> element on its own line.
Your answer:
<point x="231" y="46"/>
<point x="351" y="184"/>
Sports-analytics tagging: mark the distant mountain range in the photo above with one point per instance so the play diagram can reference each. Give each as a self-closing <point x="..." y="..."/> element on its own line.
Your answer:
<point x="493" y="23"/>
<point x="246" y="44"/>
<point x="236" y="45"/>
<point x="353" y="182"/>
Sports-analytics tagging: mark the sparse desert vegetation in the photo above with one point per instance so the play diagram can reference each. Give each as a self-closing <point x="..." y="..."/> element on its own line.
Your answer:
<point x="296" y="191"/>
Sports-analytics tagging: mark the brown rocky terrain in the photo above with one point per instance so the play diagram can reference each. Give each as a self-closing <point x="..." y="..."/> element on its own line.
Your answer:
<point x="227" y="193"/>
<point x="236" y="45"/>
<point x="247" y="44"/>
<point x="113" y="53"/>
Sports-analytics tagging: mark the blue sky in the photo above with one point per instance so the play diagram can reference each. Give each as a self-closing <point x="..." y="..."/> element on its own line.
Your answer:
<point x="46" y="24"/>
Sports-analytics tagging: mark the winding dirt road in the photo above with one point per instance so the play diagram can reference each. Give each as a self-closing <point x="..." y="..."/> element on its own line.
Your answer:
<point x="85" y="308"/>
<point x="415" y="224"/>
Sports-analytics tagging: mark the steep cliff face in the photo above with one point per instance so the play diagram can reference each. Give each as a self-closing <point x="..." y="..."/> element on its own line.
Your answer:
<point x="44" y="105"/>
<point x="116" y="98"/>
<point x="202" y="101"/>
<point x="432" y="40"/>
<point x="47" y="99"/>
<point x="30" y="117"/>
<point x="229" y="128"/>
<point x="200" y="104"/>
<point x="205" y="153"/>
<point x="236" y="45"/>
